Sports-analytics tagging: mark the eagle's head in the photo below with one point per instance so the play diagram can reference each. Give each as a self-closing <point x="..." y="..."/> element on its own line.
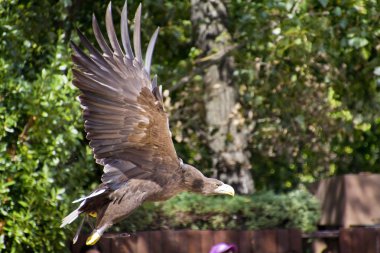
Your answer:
<point x="195" y="181"/>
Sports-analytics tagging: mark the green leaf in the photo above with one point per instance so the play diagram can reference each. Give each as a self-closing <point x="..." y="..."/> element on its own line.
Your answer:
<point x="376" y="71"/>
<point x="357" y="42"/>
<point x="323" y="2"/>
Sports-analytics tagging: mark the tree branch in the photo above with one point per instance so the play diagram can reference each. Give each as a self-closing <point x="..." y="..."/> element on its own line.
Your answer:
<point x="202" y="63"/>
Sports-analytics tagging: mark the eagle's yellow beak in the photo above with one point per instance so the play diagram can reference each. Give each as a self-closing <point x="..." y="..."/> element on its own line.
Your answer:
<point x="225" y="189"/>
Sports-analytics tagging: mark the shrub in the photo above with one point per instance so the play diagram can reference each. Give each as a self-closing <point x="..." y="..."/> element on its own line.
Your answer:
<point x="297" y="209"/>
<point x="43" y="156"/>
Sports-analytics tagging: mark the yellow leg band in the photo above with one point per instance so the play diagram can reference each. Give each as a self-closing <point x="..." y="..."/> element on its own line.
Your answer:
<point x="93" y="238"/>
<point x="92" y="214"/>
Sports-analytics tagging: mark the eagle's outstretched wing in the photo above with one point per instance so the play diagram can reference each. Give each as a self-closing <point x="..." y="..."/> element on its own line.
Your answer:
<point x="123" y="108"/>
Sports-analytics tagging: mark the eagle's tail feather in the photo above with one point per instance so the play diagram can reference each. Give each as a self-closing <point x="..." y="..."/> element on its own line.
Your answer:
<point x="70" y="218"/>
<point x="78" y="230"/>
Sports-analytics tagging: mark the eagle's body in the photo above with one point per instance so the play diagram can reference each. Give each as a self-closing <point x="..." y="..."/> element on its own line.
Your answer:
<point x="128" y="130"/>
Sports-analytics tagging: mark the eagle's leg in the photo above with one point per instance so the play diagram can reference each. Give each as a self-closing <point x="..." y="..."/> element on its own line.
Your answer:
<point x="90" y="222"/>
<point x="124" y="202"/>
<point x="102" y="224"/>
<point x="96" y="234"/>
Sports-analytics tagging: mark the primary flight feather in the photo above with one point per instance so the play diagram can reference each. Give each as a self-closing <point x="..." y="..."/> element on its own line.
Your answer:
<point x="128" y="129"/>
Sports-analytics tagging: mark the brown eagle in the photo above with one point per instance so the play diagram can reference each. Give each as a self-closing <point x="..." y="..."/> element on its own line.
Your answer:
<point x="128" y="129"/>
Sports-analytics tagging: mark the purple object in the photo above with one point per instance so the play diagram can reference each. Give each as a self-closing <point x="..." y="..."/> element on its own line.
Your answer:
<point x="223" y="247"/>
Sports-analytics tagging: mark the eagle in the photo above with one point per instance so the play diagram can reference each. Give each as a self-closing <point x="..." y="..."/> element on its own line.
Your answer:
<point x="128" y="129"/>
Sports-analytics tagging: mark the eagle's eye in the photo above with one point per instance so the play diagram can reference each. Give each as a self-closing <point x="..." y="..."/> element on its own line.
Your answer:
<point x="218" y="184"/>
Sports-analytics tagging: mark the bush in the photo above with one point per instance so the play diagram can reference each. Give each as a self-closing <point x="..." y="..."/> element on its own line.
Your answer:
<point x="40" y="145"/>
<point x="297" y="209"/>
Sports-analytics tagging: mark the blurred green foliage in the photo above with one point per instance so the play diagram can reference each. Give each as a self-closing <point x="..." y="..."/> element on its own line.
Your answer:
<point x="265" y="210"/>
<point x="309" y="87"/>
<point x="43" y="154"/>
<point x="308" y="76"/>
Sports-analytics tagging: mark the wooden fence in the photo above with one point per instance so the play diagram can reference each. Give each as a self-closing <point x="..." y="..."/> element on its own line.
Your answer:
<point x="195" y="241"/>
<point x="361" y="240"/>
<point x="353" y="240"/>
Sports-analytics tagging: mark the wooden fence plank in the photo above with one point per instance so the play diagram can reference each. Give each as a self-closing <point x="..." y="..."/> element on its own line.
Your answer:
<point x="105" y="244"/>
<point x="194" y="241"/>
<point x="143" y="245"/>
<point x="234" y="237"/>
<point x="367" y="237"/>
<point x="155" y="244"/>
<point x="169" y="241"/>
<point x="219" y="236"/>
<point x="295" y="241"/>
<point x="362" y="243"/>
<point x="256" y="246"/>
<point x="265" y="241"/>
<point x="207" y="240"/>
<point x="356" y="241"/>
<point x="75" y="248"/>
<point x="245" y="242"/>
<point x="377" y="240"/>
<point x="124" y="244"/>
<point x="371" y="240"/>
<point x="182" y="241"/>
<point x="283" y="241"/>
<point x="227" y="236"/>
<point x="345" y="241"/>
<point x="364" y="240"/>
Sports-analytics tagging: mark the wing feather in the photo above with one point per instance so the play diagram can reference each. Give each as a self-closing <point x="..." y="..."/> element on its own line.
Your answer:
<point x="99" y="37"/>
<point x="149" y="51"/>
<point x="137" y="35"/>
<point x="111" y="32"/>
<point x="122" y="107"/>
<point x="95" y="55"/>
<point x="125" y="33"/>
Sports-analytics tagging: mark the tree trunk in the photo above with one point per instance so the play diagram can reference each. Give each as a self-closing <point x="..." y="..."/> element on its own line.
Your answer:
<point x="226" y="139"/>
